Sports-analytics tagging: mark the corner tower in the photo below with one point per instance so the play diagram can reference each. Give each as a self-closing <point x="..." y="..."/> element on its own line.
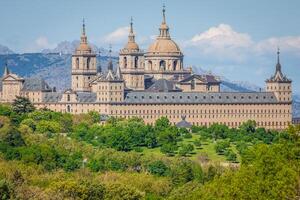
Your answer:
<point x="131" y="62"/>
<point x="84" y="67"/>
<point x="280" y="84"/>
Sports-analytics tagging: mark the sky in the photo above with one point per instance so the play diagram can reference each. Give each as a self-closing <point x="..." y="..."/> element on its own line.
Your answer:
<point x="233" y="38"/>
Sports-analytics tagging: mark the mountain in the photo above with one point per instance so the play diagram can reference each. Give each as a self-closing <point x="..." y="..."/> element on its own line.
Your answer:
<point x="68" y="47"/>
<point x="53" y="67"/>
<point x="4" y="50"/>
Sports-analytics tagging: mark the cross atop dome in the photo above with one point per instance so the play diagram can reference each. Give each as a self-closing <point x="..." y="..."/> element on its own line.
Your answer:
<point x="164" y="29"/>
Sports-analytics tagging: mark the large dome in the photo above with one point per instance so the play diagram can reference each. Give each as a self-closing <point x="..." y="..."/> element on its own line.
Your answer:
<point x="164" y="45"/>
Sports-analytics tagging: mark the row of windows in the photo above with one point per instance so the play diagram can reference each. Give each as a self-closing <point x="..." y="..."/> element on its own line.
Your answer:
<point x="232" y="111"/>
<point x="283" y="87"/>
<point x="197" y="97"/>
<point x="111" y="87"/>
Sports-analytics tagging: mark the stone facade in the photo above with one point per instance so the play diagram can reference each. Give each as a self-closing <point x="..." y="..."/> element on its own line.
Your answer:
<point x="153" y="84"/>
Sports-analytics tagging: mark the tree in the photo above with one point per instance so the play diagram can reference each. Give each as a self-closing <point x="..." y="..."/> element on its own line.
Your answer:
<point x="198" y="143"/>
<point x="157" y="168"/>
<point x="22" y="105"/>
<point x="222" y="146"/>
<point x="48" y="127"/>
<point x="14" y="138"/>
<point x="230" y="155"/>
<point x="162" y="123"/>
<point x="168" y="149"/>
<point x="186" y="149"/>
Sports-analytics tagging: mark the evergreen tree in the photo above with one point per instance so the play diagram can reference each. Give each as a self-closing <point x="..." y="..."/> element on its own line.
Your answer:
<point x="22" y="105"/>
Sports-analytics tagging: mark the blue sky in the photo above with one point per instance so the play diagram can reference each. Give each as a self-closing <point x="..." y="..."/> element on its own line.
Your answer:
<point x="233" y="38"/>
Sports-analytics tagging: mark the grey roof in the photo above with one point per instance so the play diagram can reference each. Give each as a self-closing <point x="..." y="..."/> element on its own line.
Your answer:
<point x="82" y="97"/>
<point x="35" y="84"/>
<point x="197" y="97"/>
<point x="52" y="97"/>
<point x="206" y="78"/>
<point x="163" y="85"/>
<point x="183" y="123"/>
<point x="86" y="97"/>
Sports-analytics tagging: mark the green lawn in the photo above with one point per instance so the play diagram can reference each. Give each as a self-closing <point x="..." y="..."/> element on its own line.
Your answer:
<point x="206" y="147"/>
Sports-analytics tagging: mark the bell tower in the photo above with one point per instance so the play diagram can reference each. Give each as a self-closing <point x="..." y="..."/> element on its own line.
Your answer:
<point x="131" y="61"/>
<point x="280" y="84"/>
<point x="84" y="66"/>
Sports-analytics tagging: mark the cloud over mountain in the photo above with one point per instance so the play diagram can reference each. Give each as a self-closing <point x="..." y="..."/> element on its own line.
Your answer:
<point x="223" y="42"/>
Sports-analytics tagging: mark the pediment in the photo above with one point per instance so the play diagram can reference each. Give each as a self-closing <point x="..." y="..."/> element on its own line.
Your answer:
<point x="11" y="77"/>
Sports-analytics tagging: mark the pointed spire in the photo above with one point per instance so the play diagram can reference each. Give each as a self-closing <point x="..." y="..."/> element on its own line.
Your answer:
<point x="131" y="36"/>
<point x="131" y="23"/>
<point x="278" y="65"/>
<point x="164" y="14"/>
<point x="118" y="73"/>
<point x="110" y="64"/>
<point x="83" y="27"/>
<point x="6" y="70"/>
<point x="83" y="38"/>
<point x="164" y="29"/>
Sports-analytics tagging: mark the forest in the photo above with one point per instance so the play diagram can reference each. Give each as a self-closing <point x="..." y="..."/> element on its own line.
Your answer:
<point x="51" y="155"/>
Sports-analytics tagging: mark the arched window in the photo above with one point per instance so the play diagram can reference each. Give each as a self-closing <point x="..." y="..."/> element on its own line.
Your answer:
<point x="68" y="108"/>
<point x="68" y="98"/>
<point x="77" y="63"/>
<point x="150" y="65"/>
<point x="162" y="65"/>
<point x="174" y="65"/>
<point x="88" y="63"/>
<point x="125" y="62"/>
<point x="136" y="62"/>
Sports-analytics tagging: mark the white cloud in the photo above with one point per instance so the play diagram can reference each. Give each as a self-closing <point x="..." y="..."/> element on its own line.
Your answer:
<point x="224" y="43"/>
<point x="39" y="44"/>
<point x="117" y="36"/>
<point x="290" y="44"/>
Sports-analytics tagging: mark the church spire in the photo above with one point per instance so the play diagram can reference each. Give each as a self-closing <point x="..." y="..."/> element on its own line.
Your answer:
<point x="110" y="64"/>
<point x="164" y="29"/>
<point x="131" y="36"/>
<point x="6" y="70"/>
<point x="164" y="14"/>
<point x="278" y="65"/>
<point x="83" y="38"/>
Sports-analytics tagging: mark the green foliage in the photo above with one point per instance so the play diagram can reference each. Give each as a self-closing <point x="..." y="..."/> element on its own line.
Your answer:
<point x="158" y="168"/>
<point x="122" y="192"/>
<point x="168" y="149"/>
<point x="47" y="127"/>
<point x="5" y="192"/>
<point x="22" y="105"/>
<point x="186" y="149"/>
<point x="230" y="155"/>
<point x="67" y="166"/>
<point x="222" y="146"/>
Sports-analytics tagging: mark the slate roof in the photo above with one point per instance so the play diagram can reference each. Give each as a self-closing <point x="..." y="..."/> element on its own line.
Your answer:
<point x="196" y="97"/>
<point x="163" y="85"/>
<point x="82" y="97"/>
<point x="35" y="84"/>
<point x="207" y="78"/>
<point x="183" y="123"/>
